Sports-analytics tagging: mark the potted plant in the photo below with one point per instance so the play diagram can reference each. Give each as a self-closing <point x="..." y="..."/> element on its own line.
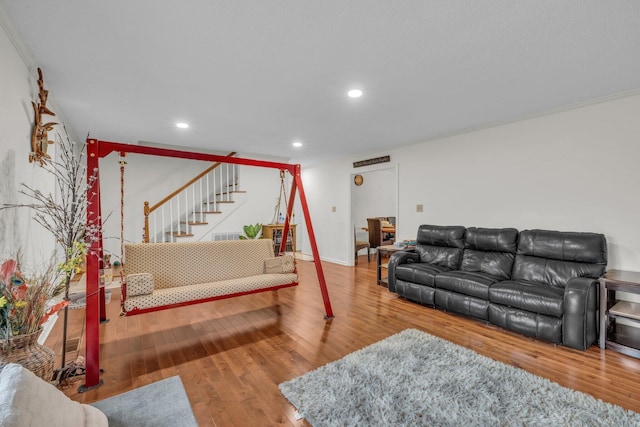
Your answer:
<point x="25" y="305"/>
<point x="251" y="231"/>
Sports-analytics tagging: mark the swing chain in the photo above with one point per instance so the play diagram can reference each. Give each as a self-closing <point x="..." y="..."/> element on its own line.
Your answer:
<point x="122" y="163"/>
<point x="278" y="208"/>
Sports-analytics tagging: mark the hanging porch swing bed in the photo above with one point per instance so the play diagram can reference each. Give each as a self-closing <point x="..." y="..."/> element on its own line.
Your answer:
<point x="166" y="275"/>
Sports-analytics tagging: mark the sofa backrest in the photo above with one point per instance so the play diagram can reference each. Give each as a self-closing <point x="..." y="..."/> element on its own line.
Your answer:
<point x="190" y="263"/>
<point x="554" y="257"/>
<point x="440" y="245"/>
<point x="490" y="251"/>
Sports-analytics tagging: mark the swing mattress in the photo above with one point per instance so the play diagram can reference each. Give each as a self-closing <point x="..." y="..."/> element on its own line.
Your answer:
<point x="209" y="291"/>
<point x="187" y="272"/>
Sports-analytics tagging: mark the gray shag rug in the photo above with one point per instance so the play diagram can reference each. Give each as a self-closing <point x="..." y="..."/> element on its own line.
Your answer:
<point x="159" y="404"/>
<point x="415" y="379"/>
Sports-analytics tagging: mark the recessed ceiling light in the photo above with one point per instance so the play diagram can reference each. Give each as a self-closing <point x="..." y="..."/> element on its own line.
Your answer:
<point x="297" y="144"/>
<point x="182" y="125"/>
<point x="354" y="93"/>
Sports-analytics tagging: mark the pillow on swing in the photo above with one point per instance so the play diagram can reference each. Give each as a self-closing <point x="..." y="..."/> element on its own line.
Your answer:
<point x="279" y="264"/>
<point x="139" y="284"/>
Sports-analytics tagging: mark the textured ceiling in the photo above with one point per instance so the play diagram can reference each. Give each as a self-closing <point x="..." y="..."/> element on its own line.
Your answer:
<point x="254" y="75"/>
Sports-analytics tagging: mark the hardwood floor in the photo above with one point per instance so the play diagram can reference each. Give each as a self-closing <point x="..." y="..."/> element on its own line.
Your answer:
<point x="232" y="354"/>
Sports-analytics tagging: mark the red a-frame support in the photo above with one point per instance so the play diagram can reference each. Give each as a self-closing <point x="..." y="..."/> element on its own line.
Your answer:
<point x="98" y="149"/>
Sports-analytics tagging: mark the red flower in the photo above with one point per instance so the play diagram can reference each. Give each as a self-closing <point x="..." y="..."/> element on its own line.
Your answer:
<point x="20" y="292"/>
<point x="7" y="270"/>
<point x="54" y="309"/>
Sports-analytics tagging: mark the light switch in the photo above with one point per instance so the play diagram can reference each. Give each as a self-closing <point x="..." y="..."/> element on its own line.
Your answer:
<point x="419" y="208"/>
<point x="333" y="208"/>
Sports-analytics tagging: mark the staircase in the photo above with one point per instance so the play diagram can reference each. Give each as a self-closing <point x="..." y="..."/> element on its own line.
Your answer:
<point x="191" y="212"/>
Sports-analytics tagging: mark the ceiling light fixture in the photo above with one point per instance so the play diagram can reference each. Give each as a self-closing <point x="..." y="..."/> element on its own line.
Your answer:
<point x="354" y="93"/>
<point x="182" y="125"/>
<point x="297" y="144"/>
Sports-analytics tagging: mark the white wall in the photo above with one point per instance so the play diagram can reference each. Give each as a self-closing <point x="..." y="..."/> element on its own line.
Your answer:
<point x="574" y="170"/>
<point x="327" y="186"/>
<point x="18" y="87"/>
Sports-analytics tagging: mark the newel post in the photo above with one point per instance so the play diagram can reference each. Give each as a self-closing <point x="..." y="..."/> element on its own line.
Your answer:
<point x="145" y="237"/>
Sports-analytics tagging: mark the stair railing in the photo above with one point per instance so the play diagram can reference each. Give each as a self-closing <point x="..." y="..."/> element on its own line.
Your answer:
<point x="188" y="204"/>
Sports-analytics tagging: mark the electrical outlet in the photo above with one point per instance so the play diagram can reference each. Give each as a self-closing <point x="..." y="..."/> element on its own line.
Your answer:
<point x="419" y="208"/>
<point x="333" y="208"/>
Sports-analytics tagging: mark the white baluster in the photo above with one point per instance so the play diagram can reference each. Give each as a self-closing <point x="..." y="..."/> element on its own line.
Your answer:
<point x="193" y="199"/>
<point x="209" y="175"/>
<point x="171" y="219"/>
<point x="164" y="224"/>
<point x="234" y="175"/>
<point x="186" y="210"/>
<point x="200" y="198"/>
<point x="227" y="188"/>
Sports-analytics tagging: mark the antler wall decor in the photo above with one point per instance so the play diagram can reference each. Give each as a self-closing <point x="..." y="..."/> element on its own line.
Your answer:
<point x="39" y="137"/>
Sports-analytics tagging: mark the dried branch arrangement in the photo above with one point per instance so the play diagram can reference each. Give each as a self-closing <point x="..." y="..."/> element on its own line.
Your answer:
<point x="64" y="213"/>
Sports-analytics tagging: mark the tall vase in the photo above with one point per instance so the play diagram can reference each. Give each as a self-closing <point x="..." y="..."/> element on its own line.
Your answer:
<point x="25" y="350"/>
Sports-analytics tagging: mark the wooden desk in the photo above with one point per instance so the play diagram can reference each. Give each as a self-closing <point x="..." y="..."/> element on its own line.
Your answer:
<point x="387" y="250"/>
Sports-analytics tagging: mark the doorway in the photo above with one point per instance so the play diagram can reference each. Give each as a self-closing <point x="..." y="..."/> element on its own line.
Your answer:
<point x="374" y="193"/>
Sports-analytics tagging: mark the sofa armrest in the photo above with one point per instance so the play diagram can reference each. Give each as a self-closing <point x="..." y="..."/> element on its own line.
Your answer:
<point x="580" y="323"/>
<point x="396" y="259"/>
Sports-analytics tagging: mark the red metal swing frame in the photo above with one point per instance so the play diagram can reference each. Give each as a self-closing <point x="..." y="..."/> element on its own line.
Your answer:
<point x="95" y="295"/>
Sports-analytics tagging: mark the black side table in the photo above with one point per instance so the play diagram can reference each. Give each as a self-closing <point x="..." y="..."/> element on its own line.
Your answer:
<point x="387" y="250"/>
<point x="614" y="335"/>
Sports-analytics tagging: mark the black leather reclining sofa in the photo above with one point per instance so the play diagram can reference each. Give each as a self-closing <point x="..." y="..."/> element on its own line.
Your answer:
<point x="539" y="283"/>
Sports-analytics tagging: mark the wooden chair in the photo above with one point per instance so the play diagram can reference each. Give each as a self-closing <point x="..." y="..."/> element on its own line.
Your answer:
<point x="376" y="236"/>
<point x="361" y="244"/>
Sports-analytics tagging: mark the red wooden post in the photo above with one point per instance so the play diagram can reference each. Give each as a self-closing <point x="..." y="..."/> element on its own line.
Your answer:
<point x="312" y="240"/>
<point x="92" y="377"/>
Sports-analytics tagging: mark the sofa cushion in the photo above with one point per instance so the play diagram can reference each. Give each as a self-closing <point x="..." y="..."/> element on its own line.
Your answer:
<point x="491" y="239"/>
<point x="419" y="272"/>
<point x="185" y="263"/>
<point x="462" y="304"/>
<point x="441" y="245"/>
<point x="530" y="297"/>
<point x="564" y="246"/>
<point x="466" y="282"/>
<point x="554" y="257"/>
<point x="26" y="400"/>
<point x="279" y="264"/>
<point x="139" y="284"/>
<point x="552" y="272"/>
<point x="415" y="292"/>
<point x="490" y="250"/>
<point x="536" y="325"/>
<point x="441" y="235"/>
